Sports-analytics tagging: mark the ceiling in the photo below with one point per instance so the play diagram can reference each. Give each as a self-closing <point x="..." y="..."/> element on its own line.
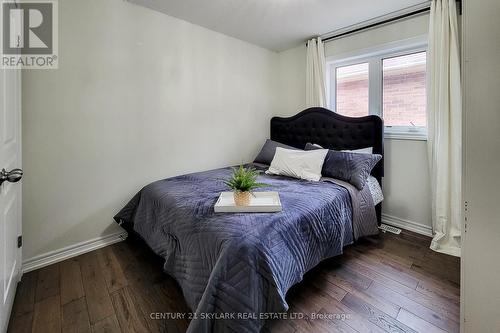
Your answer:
<point x="276" y="24"/>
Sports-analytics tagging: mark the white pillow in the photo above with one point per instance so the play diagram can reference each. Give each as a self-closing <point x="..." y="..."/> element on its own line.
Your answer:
<point x="368" y="150"/>
<point x="298" y="163"/>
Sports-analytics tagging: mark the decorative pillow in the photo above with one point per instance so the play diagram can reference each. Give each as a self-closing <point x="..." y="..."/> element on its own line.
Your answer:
<point x="266" y="154"/>
<point x="298" y="163"/>
<point x="375" y="190"/>
<point x="353" y="168"/>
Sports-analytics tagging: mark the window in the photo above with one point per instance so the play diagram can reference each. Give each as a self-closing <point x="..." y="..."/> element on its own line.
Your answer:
<point x="352" y="90"/>
<point x="389" y="81"/>
<point x="404" y="90"/>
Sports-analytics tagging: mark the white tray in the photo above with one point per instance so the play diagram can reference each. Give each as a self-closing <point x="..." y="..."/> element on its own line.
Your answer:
<point x="260" y="202"/>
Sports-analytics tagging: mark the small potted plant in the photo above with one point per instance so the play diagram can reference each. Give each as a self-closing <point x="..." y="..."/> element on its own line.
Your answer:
<point x="242" y="182"/>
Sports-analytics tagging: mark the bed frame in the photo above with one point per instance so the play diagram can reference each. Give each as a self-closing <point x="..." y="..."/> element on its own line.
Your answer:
<point x="333" y="131"/>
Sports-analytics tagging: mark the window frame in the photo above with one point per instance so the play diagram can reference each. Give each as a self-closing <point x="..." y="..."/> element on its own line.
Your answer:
<point x="374" y="57"/>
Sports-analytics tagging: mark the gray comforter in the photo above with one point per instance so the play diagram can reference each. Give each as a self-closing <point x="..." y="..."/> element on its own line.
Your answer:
<point x="237" y="266"/>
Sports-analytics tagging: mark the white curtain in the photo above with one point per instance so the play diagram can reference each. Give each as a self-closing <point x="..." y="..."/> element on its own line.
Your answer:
<point x="445" y="127"/>
<point x="315" y="74"/>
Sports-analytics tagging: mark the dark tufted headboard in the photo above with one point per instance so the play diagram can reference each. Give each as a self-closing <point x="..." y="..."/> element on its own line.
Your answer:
<point x="333" y="131"/>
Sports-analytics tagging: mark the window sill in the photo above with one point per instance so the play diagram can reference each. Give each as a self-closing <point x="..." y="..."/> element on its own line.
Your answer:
<point x="405" y="136"/>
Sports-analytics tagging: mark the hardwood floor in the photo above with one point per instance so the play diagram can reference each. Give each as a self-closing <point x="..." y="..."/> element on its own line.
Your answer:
<point x="391" y="284"/>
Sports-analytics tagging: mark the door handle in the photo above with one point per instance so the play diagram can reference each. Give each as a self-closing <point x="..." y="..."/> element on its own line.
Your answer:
<point x="12" y="176"/>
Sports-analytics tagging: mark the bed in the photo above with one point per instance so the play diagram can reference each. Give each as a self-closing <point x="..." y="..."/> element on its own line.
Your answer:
<point x="333" y="131"/>
<point x="236" y="268"/>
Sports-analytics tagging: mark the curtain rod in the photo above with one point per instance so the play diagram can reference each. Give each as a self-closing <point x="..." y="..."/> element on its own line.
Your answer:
<point x="385" y="21"/>
<point x="376" y="24"/>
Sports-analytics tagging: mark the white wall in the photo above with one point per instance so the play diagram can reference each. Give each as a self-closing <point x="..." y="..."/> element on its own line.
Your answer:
<point x="141" y="96"/>
<point x="406" y="182"/>
<point x="138" y="96"/>
<point x="481" y="248"/>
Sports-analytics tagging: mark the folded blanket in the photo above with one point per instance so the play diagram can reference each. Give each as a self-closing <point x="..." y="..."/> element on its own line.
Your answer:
<point x="364" y="217"/>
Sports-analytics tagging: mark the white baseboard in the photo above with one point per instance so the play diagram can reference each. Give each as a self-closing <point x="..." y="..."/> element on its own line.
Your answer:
<point x="407" y="225"/>
<point x="71" y="251"/>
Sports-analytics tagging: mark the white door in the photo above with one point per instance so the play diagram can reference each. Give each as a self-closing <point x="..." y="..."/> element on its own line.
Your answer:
<point x="10" y="190"/>
<point x="481" y="247"/>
